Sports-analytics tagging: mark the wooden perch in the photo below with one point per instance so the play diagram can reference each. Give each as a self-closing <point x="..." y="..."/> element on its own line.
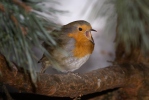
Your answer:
<point x="73" y="85"/>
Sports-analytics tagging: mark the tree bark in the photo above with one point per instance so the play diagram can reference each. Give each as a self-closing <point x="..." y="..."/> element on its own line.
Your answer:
<point x="74" y="85"/>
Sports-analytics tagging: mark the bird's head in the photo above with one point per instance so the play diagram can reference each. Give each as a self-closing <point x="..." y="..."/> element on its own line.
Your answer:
<point x="79" y="30"/>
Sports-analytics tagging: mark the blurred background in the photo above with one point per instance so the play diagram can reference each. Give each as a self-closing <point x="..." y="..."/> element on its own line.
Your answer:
<point x="24" y="23"/>
<point x="101" y="15"/>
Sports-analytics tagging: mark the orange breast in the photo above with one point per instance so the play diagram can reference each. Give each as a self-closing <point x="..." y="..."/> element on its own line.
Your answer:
<point x="83" y="46"/>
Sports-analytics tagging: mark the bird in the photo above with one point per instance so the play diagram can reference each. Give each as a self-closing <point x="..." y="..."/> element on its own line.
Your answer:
<point x="76" y="43"/>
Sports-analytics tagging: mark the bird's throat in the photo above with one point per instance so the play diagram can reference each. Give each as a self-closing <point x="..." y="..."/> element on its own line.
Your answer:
<point x="83" y="46"/>
<point x="83" y="49"/>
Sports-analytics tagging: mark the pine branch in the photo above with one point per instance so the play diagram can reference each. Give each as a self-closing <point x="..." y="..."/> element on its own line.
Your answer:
<point x="132" y="19"/>
<point x="74" y="85"/>
<point x="22" y="26"/>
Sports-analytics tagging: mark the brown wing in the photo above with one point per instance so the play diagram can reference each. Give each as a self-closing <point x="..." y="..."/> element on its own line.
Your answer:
<point x="61" y="39"/>
<point x="63" y="42"/>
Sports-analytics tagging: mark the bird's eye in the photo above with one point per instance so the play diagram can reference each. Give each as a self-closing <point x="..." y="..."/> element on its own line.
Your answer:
<point x="80" y="29"/>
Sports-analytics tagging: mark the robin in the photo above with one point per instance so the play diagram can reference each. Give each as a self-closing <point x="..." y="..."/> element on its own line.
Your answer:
<point x="76" y="40"/>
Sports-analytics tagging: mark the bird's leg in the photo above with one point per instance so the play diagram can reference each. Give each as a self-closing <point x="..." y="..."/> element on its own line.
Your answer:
<point x="43" y="69"/>
<point x="45" y="65"/>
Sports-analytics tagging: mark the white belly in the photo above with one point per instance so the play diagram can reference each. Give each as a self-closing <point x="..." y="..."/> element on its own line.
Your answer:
<point x="71" y="64"/>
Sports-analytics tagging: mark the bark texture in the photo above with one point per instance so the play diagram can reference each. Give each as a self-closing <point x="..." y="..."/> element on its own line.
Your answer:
<point x="128" y="77"/>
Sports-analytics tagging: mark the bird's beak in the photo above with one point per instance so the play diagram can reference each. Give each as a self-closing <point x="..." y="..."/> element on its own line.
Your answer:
<point x="93" y="30"/>
<point x="89" y="35"/>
